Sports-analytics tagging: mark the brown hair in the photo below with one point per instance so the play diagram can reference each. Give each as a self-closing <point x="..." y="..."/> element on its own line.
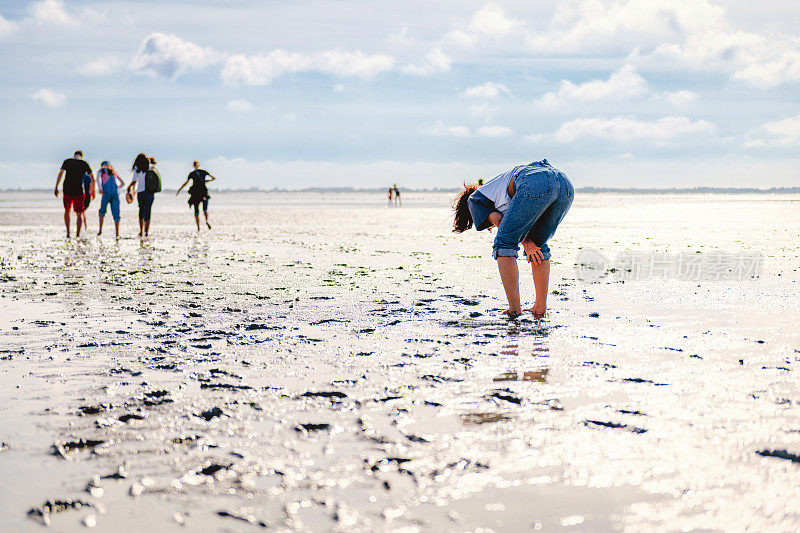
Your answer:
<point x="195" y="163"/>
<point x="463" y="218"/>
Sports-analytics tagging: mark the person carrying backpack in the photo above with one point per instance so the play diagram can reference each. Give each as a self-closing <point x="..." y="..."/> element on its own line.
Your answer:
<point x="147" y="181"/>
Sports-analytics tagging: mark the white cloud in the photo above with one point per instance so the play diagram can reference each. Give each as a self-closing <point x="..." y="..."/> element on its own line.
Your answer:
<point x="263" y="69"/>
<point x="101" y="66"/>
<point x="435" y="61"/>
<point x="460" y="38"/>
<point x="239" y="106"/>
<point x="489" y="22"/>
<point x="401" y="38"/>
<point x="487" y="90"/>
<point x="494" y="131"/>
<point x="679" y="98"/>
<point x="483" y="111"/>
<point x="49" y="97"/>
<point x="440" y="129"/>
<point x="51" y="12"/>
<point x="624" y="83"/>
<point x="534" y="137"/>
<point x="688" y="33"/>
<point x="7" y="27"/>
<point x="492" y="20"/>
<point x="169" y="56"/>
<point x="610" y="25"/>
<point x="630" y="128"/>
<point x="783" y="132"/>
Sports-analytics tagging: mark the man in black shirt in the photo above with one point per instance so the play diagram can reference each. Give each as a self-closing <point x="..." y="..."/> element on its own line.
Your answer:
<point x="74" y="168"/>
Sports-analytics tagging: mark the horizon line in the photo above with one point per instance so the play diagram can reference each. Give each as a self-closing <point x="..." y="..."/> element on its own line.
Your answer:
<point x="591" y="190"/>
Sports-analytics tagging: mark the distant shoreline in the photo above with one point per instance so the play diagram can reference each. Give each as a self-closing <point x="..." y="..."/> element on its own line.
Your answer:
<point x="582" y="190"/>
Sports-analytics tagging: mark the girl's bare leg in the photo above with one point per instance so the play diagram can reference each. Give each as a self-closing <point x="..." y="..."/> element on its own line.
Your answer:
<point x="509" y="275"/>
<point x="141" y="226"/>
<point x="116" y="227"/>
<point x="207" y="222"/>
<point x="541" y="281"/>
<point x="100" y="230"/>
<point x="197" y="221"/>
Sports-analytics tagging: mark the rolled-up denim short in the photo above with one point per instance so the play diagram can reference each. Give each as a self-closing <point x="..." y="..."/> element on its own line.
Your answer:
<point x="542" y="197"/>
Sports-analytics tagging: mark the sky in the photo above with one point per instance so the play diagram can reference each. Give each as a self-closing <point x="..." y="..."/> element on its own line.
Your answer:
<point x="293" y="94"/>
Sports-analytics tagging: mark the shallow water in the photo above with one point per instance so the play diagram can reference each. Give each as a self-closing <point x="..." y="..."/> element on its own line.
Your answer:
<point x="318" y="362"/>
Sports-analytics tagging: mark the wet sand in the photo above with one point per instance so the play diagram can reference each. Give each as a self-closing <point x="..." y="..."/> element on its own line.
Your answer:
<point x="321" y="362"/>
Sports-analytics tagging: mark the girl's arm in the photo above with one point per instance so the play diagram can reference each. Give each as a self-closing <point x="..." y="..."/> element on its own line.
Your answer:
<point x="495" y="218"/>
<point x="99" y="181"/>
<point x="182" y="186"/>
<point x="119" y="180"/>
<point x="209" y="176"/>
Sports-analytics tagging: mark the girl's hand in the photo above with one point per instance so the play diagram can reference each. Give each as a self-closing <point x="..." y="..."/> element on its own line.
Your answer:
<point x="532" y="252"/>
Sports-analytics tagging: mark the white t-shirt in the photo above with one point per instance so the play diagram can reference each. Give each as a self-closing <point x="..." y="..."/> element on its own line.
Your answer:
<point x="139" y="178"/>
<point x="496" y="189"/>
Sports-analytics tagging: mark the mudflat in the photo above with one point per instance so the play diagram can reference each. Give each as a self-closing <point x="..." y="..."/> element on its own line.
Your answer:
<point x="319" y="361"/>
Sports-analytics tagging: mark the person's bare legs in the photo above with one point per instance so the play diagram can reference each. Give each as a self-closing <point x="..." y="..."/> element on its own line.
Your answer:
<point x="509" y="275"/>
<point x="207" y="222"/>
<point x="197" y="221"/>
<point x="116" y="227"/>
<point x="146" y="227"/>
<point x="541" y="281"/>
<point x="141" y="226"/>
<point x="67" y="221"/>
<point x="100" y="230"/>
<point x="78" y="225"/>
<point x="83" y="218"/>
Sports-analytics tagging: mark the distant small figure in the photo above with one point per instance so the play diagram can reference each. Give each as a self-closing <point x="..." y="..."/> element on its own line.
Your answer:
<point x="109" y="183"/>
<point x="391" y="196"/>
<point x="480" y="182"/>
<point x="397" y="199"/>
<point x="74" y="168"/>
<point x="198" y="192"/>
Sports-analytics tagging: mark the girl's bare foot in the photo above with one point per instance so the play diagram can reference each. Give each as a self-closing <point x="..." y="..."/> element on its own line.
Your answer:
<point x="512" y="313"/>
<point x="538" y="310"/>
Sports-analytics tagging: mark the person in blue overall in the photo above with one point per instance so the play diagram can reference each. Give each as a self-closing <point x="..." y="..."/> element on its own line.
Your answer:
<point x="526" y="204"/>
<point x="109" y="183"/>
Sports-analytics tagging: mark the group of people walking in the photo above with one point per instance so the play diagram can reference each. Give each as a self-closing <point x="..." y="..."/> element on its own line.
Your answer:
<point x="81" y="186"/>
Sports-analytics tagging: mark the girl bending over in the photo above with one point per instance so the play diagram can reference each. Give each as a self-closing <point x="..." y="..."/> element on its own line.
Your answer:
<point x="526" y="205"/>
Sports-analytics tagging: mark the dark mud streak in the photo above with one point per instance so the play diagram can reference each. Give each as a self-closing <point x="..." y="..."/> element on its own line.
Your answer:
<point x="780" y="454"/>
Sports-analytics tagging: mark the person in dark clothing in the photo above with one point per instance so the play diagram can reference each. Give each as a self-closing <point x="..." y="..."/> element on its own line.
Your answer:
<point x="73" y="170"/>
<point x="198" y="192"/>
<point x="88" y="196"/>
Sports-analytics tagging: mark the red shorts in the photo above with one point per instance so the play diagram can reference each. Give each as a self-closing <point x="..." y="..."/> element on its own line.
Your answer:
<point x="75" y="201"/>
